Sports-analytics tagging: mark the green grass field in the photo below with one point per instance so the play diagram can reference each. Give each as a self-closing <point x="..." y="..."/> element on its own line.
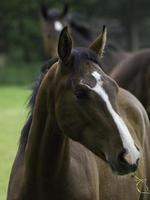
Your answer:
<point x="12" y="117"/>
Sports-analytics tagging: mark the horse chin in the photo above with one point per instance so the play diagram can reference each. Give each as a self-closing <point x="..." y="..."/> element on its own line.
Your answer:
<point x="116" y="167"/>
<point x="122" y="170"/>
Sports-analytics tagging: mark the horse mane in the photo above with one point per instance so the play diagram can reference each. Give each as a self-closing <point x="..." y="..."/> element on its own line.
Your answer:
<point x="80" y="54"/>
<point x="31" y="103"/>
<point x="81" y="28"/>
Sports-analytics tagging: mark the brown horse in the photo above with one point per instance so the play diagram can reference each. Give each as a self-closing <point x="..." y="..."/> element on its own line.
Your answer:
<point x="133" y="74"/>
<point x="83" y="133"/>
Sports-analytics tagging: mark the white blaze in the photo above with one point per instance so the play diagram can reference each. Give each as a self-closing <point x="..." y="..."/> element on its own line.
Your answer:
<point x="58" y="26"/>
<point x="125" y="135"/>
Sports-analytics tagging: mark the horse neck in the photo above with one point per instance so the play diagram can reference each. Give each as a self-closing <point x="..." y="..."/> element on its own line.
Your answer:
<point x="112" y="58"/>
<point x="47" y="151"/>
<point x="120" y="55"/>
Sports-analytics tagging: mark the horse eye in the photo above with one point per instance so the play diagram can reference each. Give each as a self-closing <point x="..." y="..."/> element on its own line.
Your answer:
<point x="81" y="94"/>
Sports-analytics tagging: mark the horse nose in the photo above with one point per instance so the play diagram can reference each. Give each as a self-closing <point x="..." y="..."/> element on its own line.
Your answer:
<point x="126" y="159"/>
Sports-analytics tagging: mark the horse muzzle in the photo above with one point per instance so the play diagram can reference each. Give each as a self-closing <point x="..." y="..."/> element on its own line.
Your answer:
<point x="123" y="164"/>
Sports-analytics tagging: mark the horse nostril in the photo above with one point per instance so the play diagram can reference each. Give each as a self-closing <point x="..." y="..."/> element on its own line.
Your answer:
<point x="134" y="167"/>
<point x="121" y="157"/>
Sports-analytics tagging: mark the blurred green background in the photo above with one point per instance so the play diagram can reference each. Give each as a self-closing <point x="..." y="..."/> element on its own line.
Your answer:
<point x="20" y="27"/>
<point x="12" y="117"/>
<point x="22" y="55"/>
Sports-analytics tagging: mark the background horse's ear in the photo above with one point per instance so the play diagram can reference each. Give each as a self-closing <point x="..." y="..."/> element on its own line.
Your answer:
<point x="65" y="10"/>
<point x="99" y="44"/>
<point x="64" y="45"/>
<point x="44" y="11"/>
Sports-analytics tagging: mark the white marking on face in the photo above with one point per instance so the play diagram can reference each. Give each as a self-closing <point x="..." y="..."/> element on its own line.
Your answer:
<point x="127" y="140"/>
<point x="58" y="26"/>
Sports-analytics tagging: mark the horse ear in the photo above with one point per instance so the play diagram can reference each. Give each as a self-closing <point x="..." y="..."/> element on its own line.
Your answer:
<point x="64" y="45"/>
<point x="99" y="44"/>
<point x="65" y="10"/>
<point x="44" y="11"/>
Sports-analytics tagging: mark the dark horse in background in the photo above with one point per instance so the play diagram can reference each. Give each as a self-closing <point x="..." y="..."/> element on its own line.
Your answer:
<point x="82" y="134"/>
<point x="133" y="74"/>
<point x="53" y="21"/>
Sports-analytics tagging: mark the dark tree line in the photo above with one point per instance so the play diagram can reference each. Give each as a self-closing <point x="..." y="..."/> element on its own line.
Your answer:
<point x="20" y="31"/>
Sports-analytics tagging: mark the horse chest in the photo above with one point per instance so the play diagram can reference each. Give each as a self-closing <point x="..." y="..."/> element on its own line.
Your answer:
<point x="82" y="182"/>
<point x="77" y="186"/>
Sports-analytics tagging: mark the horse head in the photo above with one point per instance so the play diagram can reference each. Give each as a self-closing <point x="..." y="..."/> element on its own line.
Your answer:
<point x="53" y="22"/>
<point x="87" y="104"/>
<point x="54" y="13"/>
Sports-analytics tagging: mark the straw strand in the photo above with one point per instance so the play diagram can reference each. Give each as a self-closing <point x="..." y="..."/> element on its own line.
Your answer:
<point x="140" y="181"/>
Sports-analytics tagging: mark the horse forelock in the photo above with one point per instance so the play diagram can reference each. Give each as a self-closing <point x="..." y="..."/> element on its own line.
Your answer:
<point x="83" y="54"/>
<point x="31" y="102"/>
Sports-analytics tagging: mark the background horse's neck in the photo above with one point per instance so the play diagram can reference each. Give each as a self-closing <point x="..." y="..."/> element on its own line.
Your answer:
<point x="78" y="38"/>
<point x="113" y="56"/>
<point x="81" y="34"/>
<point x="130" y="67"/>
<point x="133" y="75"/>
